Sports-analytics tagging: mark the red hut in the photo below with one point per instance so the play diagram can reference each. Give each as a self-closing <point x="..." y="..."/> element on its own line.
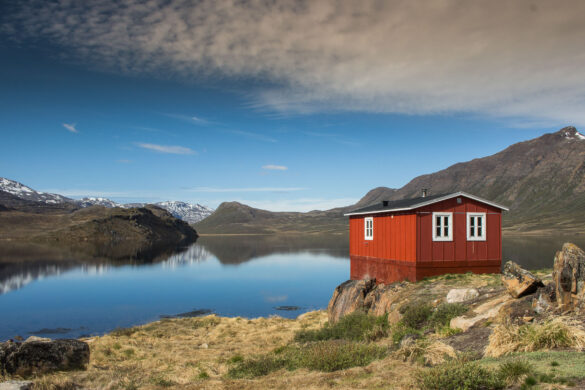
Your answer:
<point x="431" y="235"/>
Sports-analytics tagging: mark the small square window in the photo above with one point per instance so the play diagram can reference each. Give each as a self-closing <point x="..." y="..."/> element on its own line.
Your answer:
<point x="369" y="228"/>
<point x="476" y="226"/>
<point x="442" y="226"/>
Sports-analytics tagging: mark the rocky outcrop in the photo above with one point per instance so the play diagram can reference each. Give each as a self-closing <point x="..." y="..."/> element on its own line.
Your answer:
<point x="349" y="297"/>
<point x="37" y="356"/>
<point x="569" y="277"/>
<point x="367" y="296"/>
<point x="486" y="310"/>
<point x="518" y="281"/>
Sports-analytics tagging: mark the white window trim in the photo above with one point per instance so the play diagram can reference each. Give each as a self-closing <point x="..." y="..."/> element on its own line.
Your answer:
<point x="483" y="230"/>
<point x="366" y="236"/>
<point x="450" y="231"/>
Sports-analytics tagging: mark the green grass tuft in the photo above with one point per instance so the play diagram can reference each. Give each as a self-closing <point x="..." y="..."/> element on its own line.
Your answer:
<point x="455" y="375"/>
<point x="325" y="356"/>
<point x="356" y="326"/>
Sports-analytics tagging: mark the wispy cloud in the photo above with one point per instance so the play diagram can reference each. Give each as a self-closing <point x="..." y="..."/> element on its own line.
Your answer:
<point x="300" y="205"/>
<point x="248" y="134"/>
<point x="169" y="149"/>
<point x="271" y="167"/>
<point x="190" y="119"/>
<point x="520" y="58"/>
<point x="246" y="189"/>
<point x="71" y="127"/>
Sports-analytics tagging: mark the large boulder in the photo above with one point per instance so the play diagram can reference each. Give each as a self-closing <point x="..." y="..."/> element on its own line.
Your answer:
<point x="569" y="277"/>
<point x="42" y="356"/>
<point x="518" y="281"/>
<point x="348" y="297"/>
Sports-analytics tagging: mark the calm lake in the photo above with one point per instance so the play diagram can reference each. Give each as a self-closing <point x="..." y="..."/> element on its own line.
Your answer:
<point x="248" y="276"/>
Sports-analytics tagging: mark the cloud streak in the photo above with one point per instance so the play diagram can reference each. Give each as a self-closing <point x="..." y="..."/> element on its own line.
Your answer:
<point x="71" y="127"/>
<point x="168" y="149"/>
<point x="509" y="59"/>
<point x="271" y="167"/>
<point x="246" y="189"/>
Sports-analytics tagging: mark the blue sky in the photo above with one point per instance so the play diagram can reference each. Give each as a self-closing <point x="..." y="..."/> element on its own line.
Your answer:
<point x="198" y="103"/>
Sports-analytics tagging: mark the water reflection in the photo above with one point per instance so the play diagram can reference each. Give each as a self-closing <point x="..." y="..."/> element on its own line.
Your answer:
<point x="536" y="252"/>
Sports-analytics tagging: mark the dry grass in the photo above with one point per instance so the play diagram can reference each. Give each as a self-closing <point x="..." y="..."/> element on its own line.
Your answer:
<point x="172" y="354"/>
<point x="428" y="353"/>
<point x="561" y="332"/>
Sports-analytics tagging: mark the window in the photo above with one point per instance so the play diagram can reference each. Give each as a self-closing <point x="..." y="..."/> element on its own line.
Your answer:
<point x="442" y="226"/>
<point x="476" y="226"/>
<point x="369" y="228"/>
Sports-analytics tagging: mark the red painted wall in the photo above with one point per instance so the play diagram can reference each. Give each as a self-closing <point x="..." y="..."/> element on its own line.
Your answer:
<point x="394" y="237"/>
<point x="459" y="250"/>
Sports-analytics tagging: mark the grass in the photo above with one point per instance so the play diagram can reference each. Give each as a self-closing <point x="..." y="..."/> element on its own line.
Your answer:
<point x="326" y="356"/>
<point x="356" y="326"/>
<point x="557" y="333"/>
<point x="549" y="367"/>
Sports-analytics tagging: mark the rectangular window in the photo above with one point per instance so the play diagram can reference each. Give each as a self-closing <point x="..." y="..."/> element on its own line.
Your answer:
<point x="442" y="226"/>
<point x="476" y="226"/>
<point x="369" y="228"/>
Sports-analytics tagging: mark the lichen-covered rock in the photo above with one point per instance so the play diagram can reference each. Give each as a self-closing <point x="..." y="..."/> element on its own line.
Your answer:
<point x="569" y="277"/>
<point x="16" y="385"/>
<point x="348" y="297"/>
<point x="486" y="310"/>
<point x="37" y="357"/>
<point x="458" y="295"/>
<point x="518" y="281"/>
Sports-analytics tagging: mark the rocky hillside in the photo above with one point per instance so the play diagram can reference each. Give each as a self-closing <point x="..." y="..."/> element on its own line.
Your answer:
<point x="542" y="181"/>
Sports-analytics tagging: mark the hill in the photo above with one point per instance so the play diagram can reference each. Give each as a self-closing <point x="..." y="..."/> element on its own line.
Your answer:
<point x="542" y="181"/>
<point x="237" y="218"/>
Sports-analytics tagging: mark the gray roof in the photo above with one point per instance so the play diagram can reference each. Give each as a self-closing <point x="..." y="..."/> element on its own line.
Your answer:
<point x="415" y="203"/>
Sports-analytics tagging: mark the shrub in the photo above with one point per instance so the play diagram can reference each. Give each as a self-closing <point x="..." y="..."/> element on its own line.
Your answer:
<point x="445" y="312"/>
<point x="456" y="375"/>
<point x="357" y="326"/>
<point x="325" y="356"/>
<point x="400" y="331"/>
<point x="416" y="315"/>
<point x="512" y="371"/>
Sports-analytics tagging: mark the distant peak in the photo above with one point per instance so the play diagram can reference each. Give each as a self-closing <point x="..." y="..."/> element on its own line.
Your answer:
<point x="570" y="132"/>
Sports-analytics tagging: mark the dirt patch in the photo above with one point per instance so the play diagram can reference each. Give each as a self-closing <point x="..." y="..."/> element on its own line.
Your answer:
<point x="475" y="340"/>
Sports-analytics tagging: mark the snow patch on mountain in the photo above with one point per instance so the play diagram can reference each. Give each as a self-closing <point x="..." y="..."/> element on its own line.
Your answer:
<point x="190" y="213"/>
<point x="91" y="201"/>
<point x="23" y="192"/>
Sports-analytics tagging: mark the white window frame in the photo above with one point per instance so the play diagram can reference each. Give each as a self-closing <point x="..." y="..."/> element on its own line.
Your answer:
<point x="369" y="236"/>
<point x="449" y="236"/>
<point x="476" y="237"/>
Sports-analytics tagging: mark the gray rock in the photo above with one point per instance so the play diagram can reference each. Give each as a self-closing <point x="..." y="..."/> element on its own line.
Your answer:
<point x="37" y="357"/>
<point x="458" y="295"/>
<point x="16" y="385"/>
<point x="518" y="281"/>
<point x="569" y="277"/>
<point x="349" y="297"/>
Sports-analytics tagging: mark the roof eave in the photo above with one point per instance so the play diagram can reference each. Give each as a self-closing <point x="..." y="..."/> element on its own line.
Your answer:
<point x="436" y="200"/>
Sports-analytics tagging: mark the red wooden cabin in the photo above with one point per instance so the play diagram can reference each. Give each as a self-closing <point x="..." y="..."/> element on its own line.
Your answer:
<point x="411" y="239"/>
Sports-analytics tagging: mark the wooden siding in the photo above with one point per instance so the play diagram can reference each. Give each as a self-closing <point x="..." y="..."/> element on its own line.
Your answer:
<point x="394" y="237"/>
<point x="459" y="251"/>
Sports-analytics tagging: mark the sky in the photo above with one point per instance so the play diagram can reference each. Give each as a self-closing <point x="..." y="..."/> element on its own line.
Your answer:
<point x="281" y="105"/>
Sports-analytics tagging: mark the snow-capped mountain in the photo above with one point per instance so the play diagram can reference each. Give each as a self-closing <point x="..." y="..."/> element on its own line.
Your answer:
<point x="23" y="192"/>
<point x="190" y="213"/>
<point x="86" y="202"/>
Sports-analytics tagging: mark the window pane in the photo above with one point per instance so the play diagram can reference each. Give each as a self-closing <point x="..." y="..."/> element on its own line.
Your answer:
<point x="479" y="231"/>
<point x="438" y="221"/>
<point x="446" y="231"/>
<point x="438" y="231"/>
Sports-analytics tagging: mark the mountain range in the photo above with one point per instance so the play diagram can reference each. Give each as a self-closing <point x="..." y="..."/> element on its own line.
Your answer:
<point x="541" y="180"/>
<point x="15" y="194"/>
